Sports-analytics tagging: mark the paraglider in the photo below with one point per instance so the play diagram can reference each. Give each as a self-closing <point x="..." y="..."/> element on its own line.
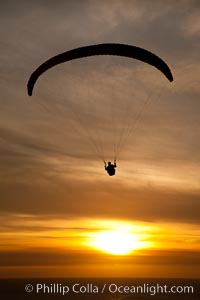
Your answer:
<point x="110" y="168"/>
<point x="113" y="49"/>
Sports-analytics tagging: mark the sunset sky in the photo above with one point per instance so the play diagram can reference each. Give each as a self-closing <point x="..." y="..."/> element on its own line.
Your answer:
<point x="58" y="208"/>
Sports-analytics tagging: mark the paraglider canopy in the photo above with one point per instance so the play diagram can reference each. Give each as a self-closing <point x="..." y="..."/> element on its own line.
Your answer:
<point x="101" y="49"/>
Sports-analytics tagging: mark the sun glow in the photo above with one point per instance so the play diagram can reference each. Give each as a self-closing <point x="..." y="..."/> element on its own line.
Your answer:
<point x="116" y="242"/>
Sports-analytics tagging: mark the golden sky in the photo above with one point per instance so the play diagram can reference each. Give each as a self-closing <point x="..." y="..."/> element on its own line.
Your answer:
<point x="58" y="207"/>
<point x="72" y="248"/>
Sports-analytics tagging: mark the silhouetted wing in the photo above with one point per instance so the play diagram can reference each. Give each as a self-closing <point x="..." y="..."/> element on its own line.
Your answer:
<point x="101" y="49"/>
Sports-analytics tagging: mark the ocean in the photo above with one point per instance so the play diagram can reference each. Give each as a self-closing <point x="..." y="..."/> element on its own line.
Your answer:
<point x="100" y="288"/>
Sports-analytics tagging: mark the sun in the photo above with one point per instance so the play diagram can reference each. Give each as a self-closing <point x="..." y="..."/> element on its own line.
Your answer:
<point x="116" y="242"/>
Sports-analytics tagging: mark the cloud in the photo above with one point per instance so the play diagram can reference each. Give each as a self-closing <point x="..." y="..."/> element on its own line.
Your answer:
<point x="84" y="198"/>
<point x="46" y="257"/>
